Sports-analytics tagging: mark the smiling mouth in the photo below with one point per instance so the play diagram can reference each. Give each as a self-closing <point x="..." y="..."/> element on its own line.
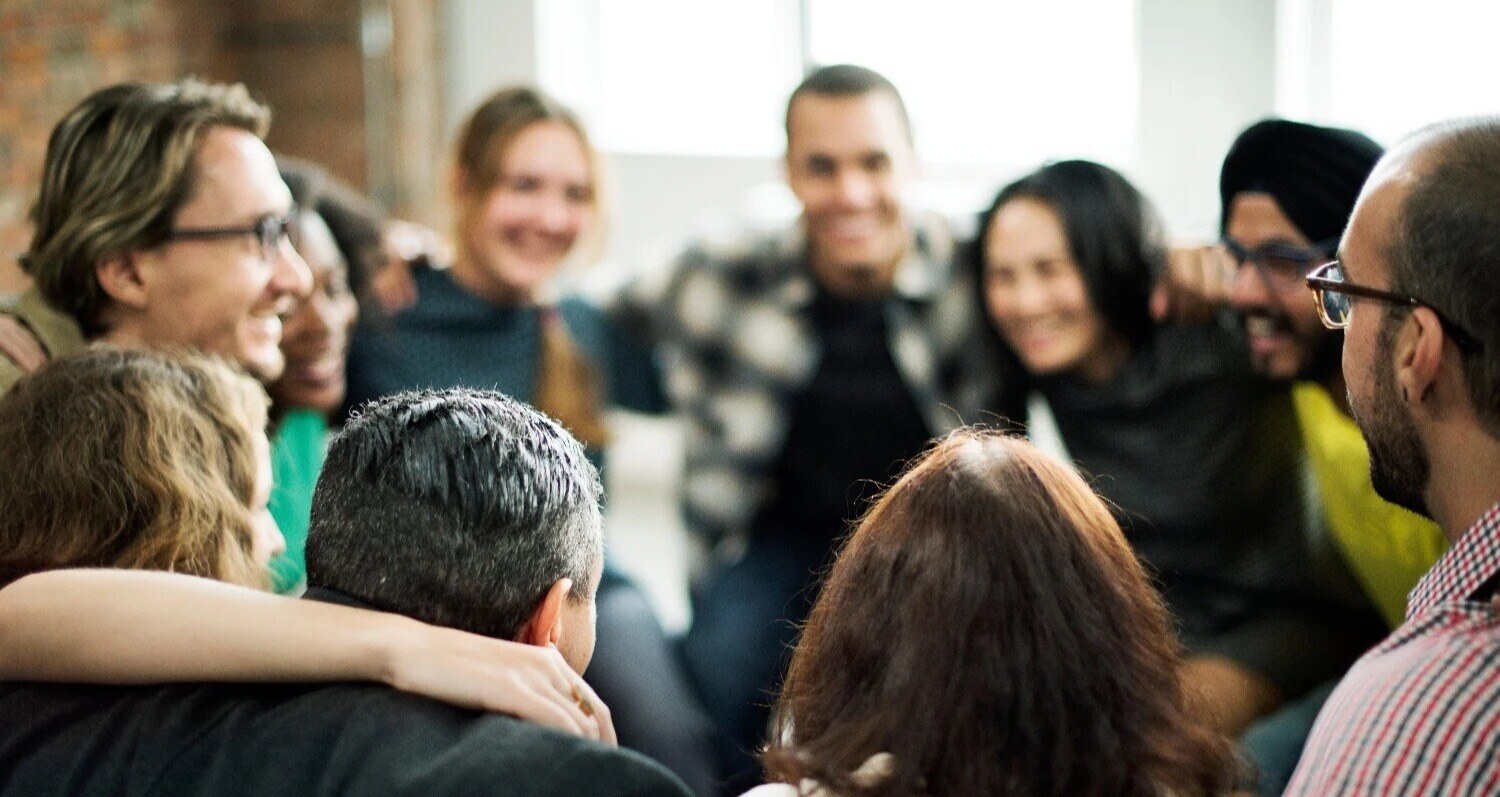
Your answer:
<point x="537" y="249"/>
<point x="1263" y="325"/>
<point x="326" y="368"/>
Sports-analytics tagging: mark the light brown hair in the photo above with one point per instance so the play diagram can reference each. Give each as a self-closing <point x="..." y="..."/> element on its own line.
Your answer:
<point x="486" y="136"/>
<point x="569" y="386"/>
<point x="988" y="625"/>
<point x="118" y="168"/>
<point x="131" y="459"/>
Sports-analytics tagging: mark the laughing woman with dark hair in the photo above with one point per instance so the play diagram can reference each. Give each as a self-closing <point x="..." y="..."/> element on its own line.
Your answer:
<point x="1201" y="460"/>
<point x="988" y="630"/>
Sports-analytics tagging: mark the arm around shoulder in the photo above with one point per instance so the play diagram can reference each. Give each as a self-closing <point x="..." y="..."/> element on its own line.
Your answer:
<point x="142" y="627"/>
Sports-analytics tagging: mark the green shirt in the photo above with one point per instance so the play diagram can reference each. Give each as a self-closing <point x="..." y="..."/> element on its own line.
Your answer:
<point x="297" y="450"/>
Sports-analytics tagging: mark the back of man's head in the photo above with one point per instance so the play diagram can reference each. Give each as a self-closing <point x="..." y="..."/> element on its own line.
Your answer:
<point x="846" y="80"/>
<point x="117" y="169"/>
<point x="1446" y="248"/>
<point x="458" y="507"/>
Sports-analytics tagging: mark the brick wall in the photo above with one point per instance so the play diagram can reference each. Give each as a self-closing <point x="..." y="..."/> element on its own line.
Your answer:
<point x="303" y="57"/>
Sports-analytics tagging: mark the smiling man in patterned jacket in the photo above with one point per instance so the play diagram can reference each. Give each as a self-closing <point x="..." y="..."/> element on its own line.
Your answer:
<point x="809" y="363"/>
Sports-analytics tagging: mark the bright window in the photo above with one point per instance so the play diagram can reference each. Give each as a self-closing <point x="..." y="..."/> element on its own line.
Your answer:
<point x="1388" y="67"/>
<point x="1005" y="82"/>
<point x="1011" y="83"/>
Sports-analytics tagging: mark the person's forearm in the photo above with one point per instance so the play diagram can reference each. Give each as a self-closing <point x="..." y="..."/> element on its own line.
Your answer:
<point x="128" y="627"/>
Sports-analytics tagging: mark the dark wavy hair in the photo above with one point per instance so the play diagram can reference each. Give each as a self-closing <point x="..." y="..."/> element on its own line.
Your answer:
<point x="1114" y="233"/>
<point x="988" y="626"/>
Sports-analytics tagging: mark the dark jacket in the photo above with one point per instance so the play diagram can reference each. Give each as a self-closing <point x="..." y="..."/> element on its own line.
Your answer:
<point x="332" y="739"/>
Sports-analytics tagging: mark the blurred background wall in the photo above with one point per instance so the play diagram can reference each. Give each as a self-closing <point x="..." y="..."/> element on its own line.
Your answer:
<point x="353" y="85"/>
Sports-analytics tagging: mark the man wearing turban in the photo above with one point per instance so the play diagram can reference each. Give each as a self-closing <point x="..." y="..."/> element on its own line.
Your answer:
<point x="1288" y="189"/>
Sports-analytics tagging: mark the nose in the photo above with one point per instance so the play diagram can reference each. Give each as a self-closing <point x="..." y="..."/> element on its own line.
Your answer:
<point x="1249" y="289"/>
<point x="290" y="275"/>
<point x="1029" y="297"/>
<point x="272" y="539"/>
<point x="855" y="189"/>
<point x="556" y="215"/>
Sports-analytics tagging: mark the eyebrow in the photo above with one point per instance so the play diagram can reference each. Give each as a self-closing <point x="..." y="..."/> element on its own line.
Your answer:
<point x="1279" y="240"/>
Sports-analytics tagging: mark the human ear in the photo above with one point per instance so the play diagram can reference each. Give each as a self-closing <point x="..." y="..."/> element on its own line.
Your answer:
<point x="120" y="278"/>
<point x="1419" y="354"/>
<point x="545" y="626"/>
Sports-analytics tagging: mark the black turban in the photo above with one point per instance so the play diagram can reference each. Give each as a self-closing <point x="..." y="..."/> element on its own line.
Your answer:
<point x="1314" y="173"/>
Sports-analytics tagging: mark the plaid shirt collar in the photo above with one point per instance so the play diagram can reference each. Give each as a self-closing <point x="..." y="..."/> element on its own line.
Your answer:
<point x="1463" y="569"/>
<point x="921" y="277"/>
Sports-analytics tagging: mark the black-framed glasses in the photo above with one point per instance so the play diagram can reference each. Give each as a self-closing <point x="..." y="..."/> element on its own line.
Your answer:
<point x="268" y="233"/>
<point x="1335" y="299"/>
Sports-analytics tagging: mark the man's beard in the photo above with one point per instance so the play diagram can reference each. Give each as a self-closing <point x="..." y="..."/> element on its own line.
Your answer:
<point x="1399" y="468"/>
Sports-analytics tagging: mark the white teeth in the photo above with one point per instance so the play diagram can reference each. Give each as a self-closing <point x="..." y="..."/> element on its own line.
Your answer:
<point x="1260" y="325"/>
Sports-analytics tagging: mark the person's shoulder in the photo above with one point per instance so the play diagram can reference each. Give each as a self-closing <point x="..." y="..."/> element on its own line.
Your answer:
<point x="10" y="374"/>
<point x="749" y="248"/>
<point x="439" y="299"/>
<point x="773" y="790"/>
<point x="496" y="751"/>
<point x="429" y="747"/>
<point x="582" y="315"/>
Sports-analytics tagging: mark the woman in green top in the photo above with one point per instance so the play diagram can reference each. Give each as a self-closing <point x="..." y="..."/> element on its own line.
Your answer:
<point x="315" y="343"/>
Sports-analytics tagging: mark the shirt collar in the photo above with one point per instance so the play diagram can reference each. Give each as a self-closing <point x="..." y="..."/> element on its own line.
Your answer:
<point x="57" y="331"/>
<point x="1463" y="569"/>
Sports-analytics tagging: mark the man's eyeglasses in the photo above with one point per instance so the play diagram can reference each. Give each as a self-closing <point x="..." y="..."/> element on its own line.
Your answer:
<point x="1335" y="299"/>
<point x="268" y="233"/>
<point x="1280" y="259"/>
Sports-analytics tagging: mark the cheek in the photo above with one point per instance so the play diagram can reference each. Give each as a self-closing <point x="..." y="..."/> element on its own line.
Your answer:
<point x="999" y="299"/>
<point x="1070" y="298"/>
<point x="1358" y="355"/>
<point x="298" y="323"/>
<point x="346" y="314"/>
<point x="1299" y="303"/>
<point x="502" y="211"/>
<point x="813" y="193"/>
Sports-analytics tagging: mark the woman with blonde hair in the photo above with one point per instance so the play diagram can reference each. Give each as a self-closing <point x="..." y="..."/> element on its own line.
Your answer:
<point x="988" y="630"/>
<point x="134" y="461"/>
<point x="526" y="191"/>
<point x="139" y="461"/>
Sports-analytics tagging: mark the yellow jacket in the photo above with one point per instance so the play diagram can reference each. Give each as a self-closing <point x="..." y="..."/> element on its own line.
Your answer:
<point x="1387" y="547"/>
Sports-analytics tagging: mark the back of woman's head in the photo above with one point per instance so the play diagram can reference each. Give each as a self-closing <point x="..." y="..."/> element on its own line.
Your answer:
<point x="988" y="625"/>
<point x="131" y="459"/>
<point x="1115" y="234"/>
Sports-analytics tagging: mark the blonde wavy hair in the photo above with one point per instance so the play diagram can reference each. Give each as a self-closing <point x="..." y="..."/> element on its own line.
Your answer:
<point x="131" y="459"/>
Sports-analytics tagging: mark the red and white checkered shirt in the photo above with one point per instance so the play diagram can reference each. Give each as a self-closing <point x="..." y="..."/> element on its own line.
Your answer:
<point x="1420" y="713"/>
